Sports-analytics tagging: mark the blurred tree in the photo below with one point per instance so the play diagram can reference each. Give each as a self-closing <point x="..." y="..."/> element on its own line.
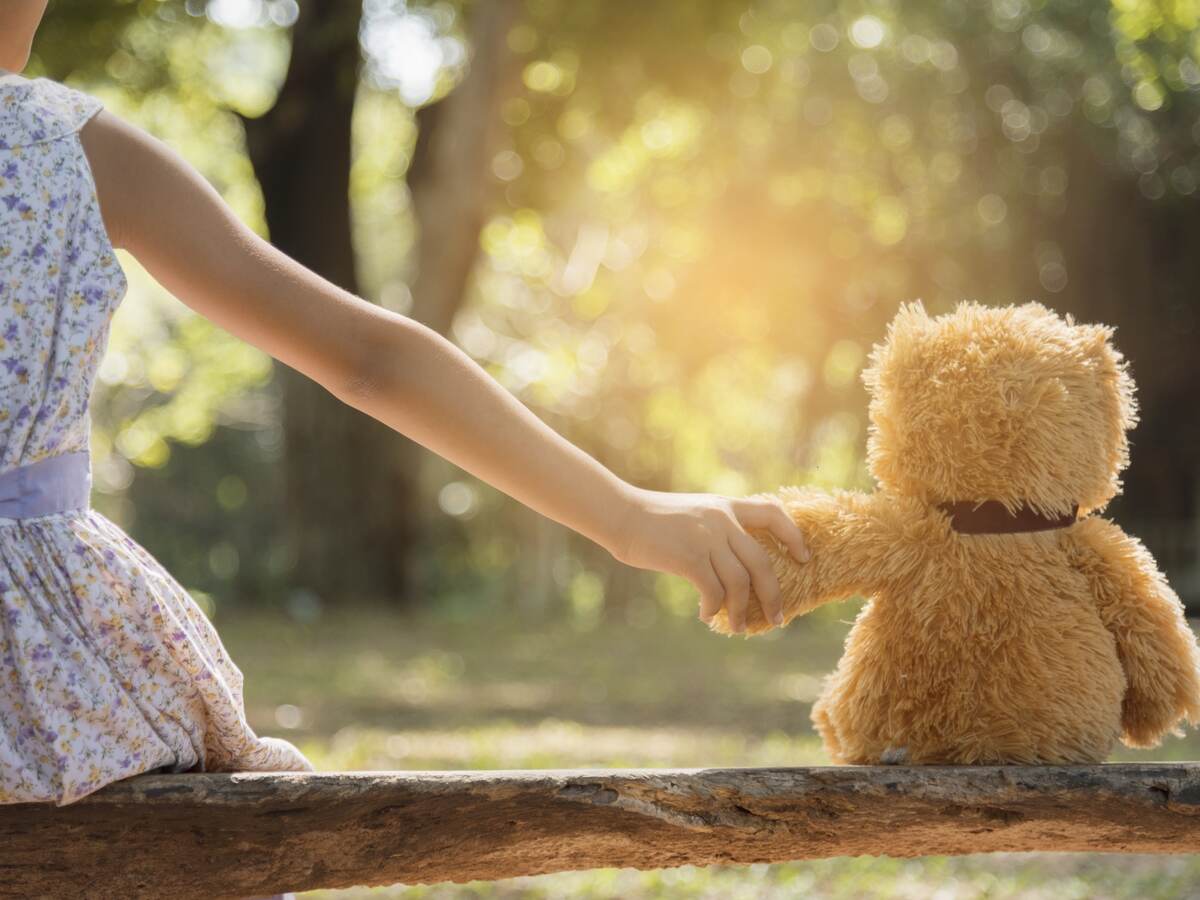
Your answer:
<point x="450" y="177"/>
<point x="339" y="465"/>
<point x="342" y="466"/>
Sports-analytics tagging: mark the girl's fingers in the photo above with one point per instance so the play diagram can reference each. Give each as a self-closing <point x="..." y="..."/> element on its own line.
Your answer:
<point x="762" y="575"/>
<point x="712" y="592"/>
<point x="771" y="514"/>
<point x="736" y="581"/>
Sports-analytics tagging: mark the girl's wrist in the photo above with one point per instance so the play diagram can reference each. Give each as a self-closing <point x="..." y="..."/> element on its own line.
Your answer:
<point x="626" y="507"/>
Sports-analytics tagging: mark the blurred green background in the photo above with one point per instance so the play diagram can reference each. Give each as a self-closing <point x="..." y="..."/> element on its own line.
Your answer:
<point x="674" y="230"/>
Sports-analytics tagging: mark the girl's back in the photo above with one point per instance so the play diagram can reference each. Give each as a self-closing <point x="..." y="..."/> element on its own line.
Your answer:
<point x="109" y="666"/>
<point x="59" y="276"/>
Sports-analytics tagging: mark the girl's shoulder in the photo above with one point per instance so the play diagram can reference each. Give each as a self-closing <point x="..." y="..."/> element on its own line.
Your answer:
<point x="36" y="110"/>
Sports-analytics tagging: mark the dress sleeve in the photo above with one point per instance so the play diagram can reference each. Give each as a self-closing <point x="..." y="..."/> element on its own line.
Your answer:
<point x="37" y="110"/>
<point x="73" y="108"/>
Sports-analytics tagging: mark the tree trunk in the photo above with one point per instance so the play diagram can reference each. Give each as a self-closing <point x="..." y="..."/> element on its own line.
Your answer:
<point x="353" y="503"/>
<point x="345" y="519"/>
<point x="219" y="835"/>
<point x="450" y="175"/>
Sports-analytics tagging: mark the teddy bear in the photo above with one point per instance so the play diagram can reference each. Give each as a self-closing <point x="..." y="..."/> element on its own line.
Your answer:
<point x="1006" y="621"/>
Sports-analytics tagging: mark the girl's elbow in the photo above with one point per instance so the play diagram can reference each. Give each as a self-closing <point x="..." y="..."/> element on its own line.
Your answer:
<point x="374" y="364"/>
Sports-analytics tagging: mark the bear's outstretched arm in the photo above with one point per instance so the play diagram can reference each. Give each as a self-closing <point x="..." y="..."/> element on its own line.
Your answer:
<point x="847" y="533"/>
<point x="1157" y="648"/>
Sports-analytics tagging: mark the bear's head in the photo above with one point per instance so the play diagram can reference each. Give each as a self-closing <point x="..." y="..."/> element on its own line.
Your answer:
<point x="1015" y="404"/>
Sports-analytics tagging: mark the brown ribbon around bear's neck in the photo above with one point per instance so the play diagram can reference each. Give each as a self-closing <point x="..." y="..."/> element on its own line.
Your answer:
<point x="991" y="517"/>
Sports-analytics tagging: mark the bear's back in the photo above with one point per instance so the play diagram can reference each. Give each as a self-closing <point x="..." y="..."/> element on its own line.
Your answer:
<point x="991" y="650"/>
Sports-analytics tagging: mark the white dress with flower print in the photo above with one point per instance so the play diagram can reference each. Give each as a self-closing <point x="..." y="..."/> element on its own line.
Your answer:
<point x="108" y="668"/>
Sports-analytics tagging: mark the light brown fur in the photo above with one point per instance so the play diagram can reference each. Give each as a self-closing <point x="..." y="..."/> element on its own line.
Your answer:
<point x="1036" y="647"/>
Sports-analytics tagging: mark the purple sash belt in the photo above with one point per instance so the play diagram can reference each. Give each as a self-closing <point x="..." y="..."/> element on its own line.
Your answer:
<point x="52" y="485"/>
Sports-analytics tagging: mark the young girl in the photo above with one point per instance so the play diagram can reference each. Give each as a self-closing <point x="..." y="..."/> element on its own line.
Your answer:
<point x="108" y="667"/>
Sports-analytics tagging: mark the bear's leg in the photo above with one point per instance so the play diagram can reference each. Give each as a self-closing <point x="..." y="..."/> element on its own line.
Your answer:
<point x="825" y="728"/>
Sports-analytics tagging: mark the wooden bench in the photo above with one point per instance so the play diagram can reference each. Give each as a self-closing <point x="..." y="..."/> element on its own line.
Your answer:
<point x="212" y="835"/>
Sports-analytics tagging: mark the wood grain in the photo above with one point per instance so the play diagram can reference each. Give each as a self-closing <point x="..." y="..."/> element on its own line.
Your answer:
<point x="209" y="835"/>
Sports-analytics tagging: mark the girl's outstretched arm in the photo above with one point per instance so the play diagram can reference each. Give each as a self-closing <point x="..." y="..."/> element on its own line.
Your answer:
<point x="160" y="209"/>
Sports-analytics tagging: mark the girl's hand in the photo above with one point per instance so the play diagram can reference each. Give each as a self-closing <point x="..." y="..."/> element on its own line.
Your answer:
<point x="703" y="538"/>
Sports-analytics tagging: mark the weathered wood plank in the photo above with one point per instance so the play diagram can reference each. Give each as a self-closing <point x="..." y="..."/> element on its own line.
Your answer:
<point x="227" y="836"/>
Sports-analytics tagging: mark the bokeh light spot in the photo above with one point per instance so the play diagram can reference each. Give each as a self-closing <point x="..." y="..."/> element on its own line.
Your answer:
<point x="756" y="59"/>
<point x="992" y="209"/>
<point x="867" y="32"/>
<point x="543" y="76"/>
<point x="842" y="363"/>
<point x="1148" y="96"/>
<point x="1053" y="276"/>
<point x="823" y="37"/>
<point x="457" y="499"/>
<point x="889" y="223"/>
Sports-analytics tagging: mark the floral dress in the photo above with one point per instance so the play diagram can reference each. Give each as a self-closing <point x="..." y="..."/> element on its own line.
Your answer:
<point x="108" y="668"/>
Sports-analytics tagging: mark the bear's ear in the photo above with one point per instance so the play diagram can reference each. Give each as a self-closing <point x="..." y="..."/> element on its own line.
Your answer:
<point x="1096" y="345"/>
<point x="912" y="315"/>
<point x="903" y="341"/>
<point x="910" y="324"/>
<point x="1035" y="310"/>
<point x="1096" y="342"/>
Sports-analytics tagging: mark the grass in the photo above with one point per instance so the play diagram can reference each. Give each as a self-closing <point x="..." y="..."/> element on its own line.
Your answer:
<point x="364" y="689"/>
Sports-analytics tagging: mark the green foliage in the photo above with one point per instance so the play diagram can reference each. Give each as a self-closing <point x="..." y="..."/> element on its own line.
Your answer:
<point x="704" y="214"/>
<point x="172" y="376"/>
